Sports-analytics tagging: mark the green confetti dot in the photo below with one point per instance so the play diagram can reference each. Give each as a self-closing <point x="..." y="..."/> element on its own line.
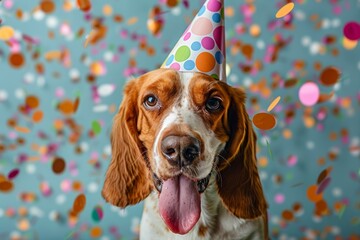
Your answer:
<point x="96" y="127"/>
<point x="182" y="53"/>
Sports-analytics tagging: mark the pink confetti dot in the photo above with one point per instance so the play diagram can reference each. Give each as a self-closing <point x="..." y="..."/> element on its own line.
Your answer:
<point x="352" y="31"/>
<point x="292" y="160"/>
<point x="59" y="92"/>
<point x="309" y="94"/>
<point x="279" y="198"/>
<point x="66" y="185"/>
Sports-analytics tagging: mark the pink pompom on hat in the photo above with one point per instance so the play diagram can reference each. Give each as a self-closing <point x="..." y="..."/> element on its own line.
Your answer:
<point x="202" y="46"/>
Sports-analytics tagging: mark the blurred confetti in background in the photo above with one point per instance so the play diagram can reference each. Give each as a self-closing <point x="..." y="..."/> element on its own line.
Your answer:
<point x="63" y="65"/>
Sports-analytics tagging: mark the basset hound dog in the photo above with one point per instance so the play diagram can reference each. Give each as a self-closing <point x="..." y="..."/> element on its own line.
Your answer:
<point x="184" y="143"/>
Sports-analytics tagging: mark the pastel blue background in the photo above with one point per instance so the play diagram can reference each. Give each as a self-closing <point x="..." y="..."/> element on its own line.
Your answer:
<point x="307" y="144"/>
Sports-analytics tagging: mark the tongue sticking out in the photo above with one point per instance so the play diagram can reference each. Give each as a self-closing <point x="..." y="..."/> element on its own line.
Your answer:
<point x="179" y="204"/>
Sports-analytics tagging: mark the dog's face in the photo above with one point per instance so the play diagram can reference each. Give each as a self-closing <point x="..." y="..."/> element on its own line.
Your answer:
<point x="173" y="130"/>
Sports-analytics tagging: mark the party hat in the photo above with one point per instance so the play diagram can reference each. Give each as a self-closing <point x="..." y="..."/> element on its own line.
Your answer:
<point x="201" y="48"/>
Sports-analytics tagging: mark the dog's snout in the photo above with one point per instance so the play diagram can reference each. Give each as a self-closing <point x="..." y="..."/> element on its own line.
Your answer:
<point x="180" y="150"/>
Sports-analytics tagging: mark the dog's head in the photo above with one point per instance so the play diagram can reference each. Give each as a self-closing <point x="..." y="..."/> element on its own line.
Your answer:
<point x="175" y="129"/>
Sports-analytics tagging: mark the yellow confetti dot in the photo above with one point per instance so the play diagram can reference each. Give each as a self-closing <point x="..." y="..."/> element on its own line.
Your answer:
<point x="287" y="133"/>
<point x="309" y="122"/>
<point x="349" y="44"/>
<point x="285" y="10"/>
<point x="132" y="21"/>
<point x="107" y="10"/>
<point x="6" y="33"/>
<point x="229" y="12"/>
<point x="23" y="224"/>
<point x="255" y="30"/>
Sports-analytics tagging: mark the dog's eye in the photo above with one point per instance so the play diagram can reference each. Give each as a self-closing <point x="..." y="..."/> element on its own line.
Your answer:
<point x="150" y="101"/>
<point x="213" y="104"/>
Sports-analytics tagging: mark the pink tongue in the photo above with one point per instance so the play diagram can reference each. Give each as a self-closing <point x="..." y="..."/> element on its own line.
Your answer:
<point x="179" y="204"/>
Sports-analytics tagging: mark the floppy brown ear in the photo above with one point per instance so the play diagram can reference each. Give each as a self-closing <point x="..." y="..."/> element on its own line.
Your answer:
<point x="128" y="179"/>
<point x="238" y="181"/>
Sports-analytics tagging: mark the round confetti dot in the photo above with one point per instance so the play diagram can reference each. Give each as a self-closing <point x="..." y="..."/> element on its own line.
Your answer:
<point x="97" y="213"/>
<point x="169" y="60"/>
<point x="58" y="165"/>
<point x="285" y="10"/>
<point x="264" y="121"/>
<point x="107" y="10"/>
<point x="187" y="36"/>
<point x="16" y="60"/>
<point x="32" y="101"/>
<point x="66" y="107"/>
<point x="202" y="26"/>
<point x="95" y="232"/>
<point x="349" y="44"/>
<point x="205" y="62"/>
<point x="208" y="43"/>
<point x="172" y="3"/>
<point x="255" y="30"/>
<point x="287" y="215"/>
<point x="175" y="66"/>
<point x="214" y="5"/>
<point x="216" y="17"/>
<point x="292" y="160"/>
<point x="352" y="31"/>
<point x="309" y="94"/>
<point x="47" y="6"/>
<point x="23" y="224"/>
<point x="79" y="203"/>
<point x="6" y="186"/>
<point x="182" y="54"/>
<point x="84" y="5"/>
<point x="219" y="57"/>
<point x="279" y="198"/>
<point x="263" y="161"/>
<point x="195" y="46"/>
<point x="189" y="65"/>
<point x="329" y="76"/>
<point x="6" y="33"/>
<point x="37" y="116"/>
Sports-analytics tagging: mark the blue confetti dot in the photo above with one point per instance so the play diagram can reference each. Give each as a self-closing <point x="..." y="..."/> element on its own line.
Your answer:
<point x="218" y="57"/>
<point x="169" y="60"/>
<point x="189" y="65"/>
<point x="202" y="10"/>
<point x="195" y="46"/>
<point x="216" y="17"/>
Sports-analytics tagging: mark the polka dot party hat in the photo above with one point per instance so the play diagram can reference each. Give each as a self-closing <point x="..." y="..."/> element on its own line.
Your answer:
<point x="202" y="46"/>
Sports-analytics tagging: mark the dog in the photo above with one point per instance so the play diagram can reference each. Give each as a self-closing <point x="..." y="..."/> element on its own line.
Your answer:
<point x="184" y="143"/>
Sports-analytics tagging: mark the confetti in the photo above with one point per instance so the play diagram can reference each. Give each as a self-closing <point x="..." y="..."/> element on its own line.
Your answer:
<point x="13" y="173"/>
<point x="16" y="60"/>
<point x="6" y="33"/>
<point x="352" y="31"/>
<point x="84" y="5"/>
<point x="329" y="76"/>
<point x="96" y="232"/>
<point x="264" y="121"/>
<point x="285" y="10"/>
<point x="97" y="213"/>
<point x="309" y="94"/>
<point x="79" y="203"/>
<point x="58" y="165"/>
<point x="273" y="104"/>
<point x="6" y="186"/>
<point x="313" y="194"/>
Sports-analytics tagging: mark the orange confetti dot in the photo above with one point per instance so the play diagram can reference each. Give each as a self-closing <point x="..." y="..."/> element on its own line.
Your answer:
<point x="79" y="203"/>
<point x="263" y="161"/>
<point x="16" y="60"/>
<point x="66" y="107"/>
<point x="132" y="21"/>
<point x="255" y="30"/>
<point x="37" y="116"/>
<point x="312" y="195"/>
<point x="84" y="5"/>
<point x="6" y="186"/>
<point x="32" y="101"/>
<point x="205" y="62"/>
<point x="287" y="133"/>
<point x="264" y="121"/>
<point x="96" y="232"/>
<point x="77" y="186"/>
<point x="107" y="10"/>
<point x="287" y="215"/>
<point x="47" y="6"/>
<point x="22" y="129"/>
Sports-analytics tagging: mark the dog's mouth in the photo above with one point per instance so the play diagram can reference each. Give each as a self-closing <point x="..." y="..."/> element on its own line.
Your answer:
<point x="202" y="184"/>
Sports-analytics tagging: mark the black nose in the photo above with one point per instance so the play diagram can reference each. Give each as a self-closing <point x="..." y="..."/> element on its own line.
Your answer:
<point x="180" y="150"/>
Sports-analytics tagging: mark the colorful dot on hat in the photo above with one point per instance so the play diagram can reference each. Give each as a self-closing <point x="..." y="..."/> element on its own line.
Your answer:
<point x="169" y="60"/>
<point x="216" y="17"/>
<point x="175" y="66"/>
<point x="205" y="62"/>
<point x="189" y="65"/>
<point x="202" y="26"/>
<point x="201" y="11"/>
<point x="187" y="36"/>
<point x="208" y="43"/>
<point x="195" y="46"/>
<point x="218" y="36"/>
<point x="182" y="53"/>
<point x="214" y="6"/>
<point x="219" y="57"/>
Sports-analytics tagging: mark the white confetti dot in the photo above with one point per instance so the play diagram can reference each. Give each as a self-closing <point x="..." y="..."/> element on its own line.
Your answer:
<point x="93" y="187"/>
<point x="60" y="199"/>
<point x="25" y="17"/>
<point x="275" y="220"/>
<point x="337" y="86"/>
<point x="336" y="22"/>
<point x="3" y="95"/>
<point x="40" y="81"/>
<point x="233" y="78"/>
<point x="84" y="146"/>
<point x="29" y="78"/>
<point x="305" y="41"/>
<point x="316" y="219"/>
<point x="17" y="35"/>
<point x="54" y="215"/>
<point x="335" y="230"/>
<point x="300" y="15"/>
<point x="35" y="211"/>
<point x="247" y="82"/>
<point x="30" y="168"/>
<point x="105" y="90"/>
<point x="325" y="23"/>
<point x="74" y="73"/>
<point x="315" y="48"/>
<point x="123" y="213"/>
<point x="108" y="56"/>
<point x="263" y="175"/>
<point x="20" y="93"/>
<point x="100" y="108"/>
<point x="260" y="44"/>
<point x="310" y="145"/>
<point x="176" y="11"/>
<point x="337" y="192"/>
<point x="52" y="22"/>
<point x="39" y="15"/>
<point x="107" y="150"/>
<point x="1" y="212"/>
